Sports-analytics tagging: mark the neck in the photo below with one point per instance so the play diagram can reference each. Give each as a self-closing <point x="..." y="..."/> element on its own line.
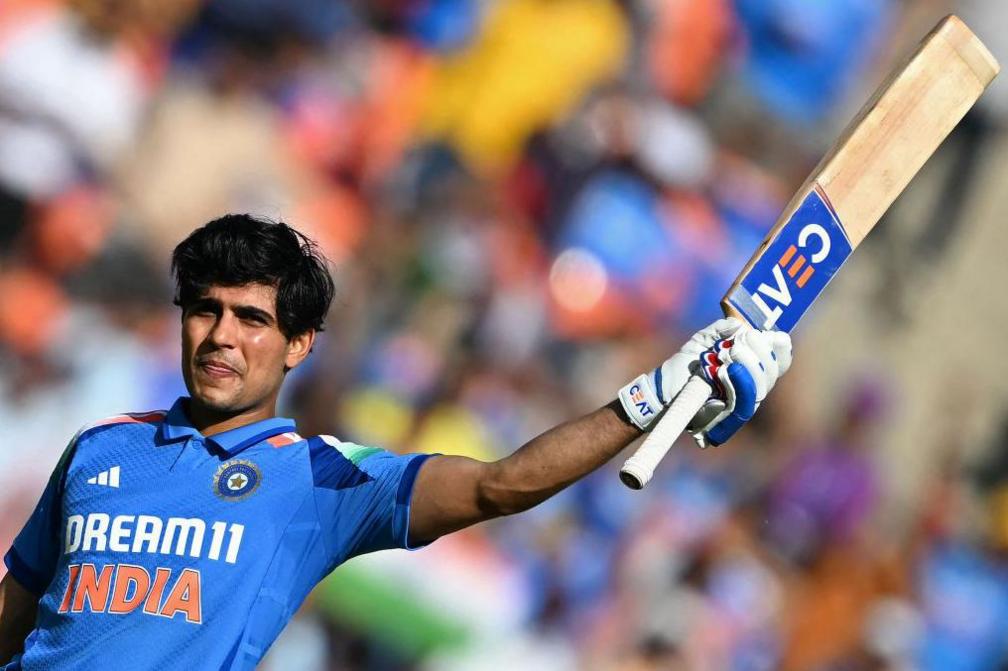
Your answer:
<point x="210" y="422"/>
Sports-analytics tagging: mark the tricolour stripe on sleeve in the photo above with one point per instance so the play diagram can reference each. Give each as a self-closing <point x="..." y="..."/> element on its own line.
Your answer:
<point x="331" y="469"/>
<point x="353" y="452"/>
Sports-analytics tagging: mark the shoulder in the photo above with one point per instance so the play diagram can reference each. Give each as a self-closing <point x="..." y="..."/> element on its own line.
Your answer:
<point x="86" y="432"/>
<point x="352" y="452"/>
<point x="149" y="418"/>
<point x="337" y="464"/>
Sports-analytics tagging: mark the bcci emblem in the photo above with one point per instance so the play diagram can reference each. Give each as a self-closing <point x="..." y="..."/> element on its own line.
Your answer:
<point x="236" y="480"/>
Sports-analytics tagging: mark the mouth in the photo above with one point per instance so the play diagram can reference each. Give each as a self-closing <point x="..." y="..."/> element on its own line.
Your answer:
<point x="217" y="369"/>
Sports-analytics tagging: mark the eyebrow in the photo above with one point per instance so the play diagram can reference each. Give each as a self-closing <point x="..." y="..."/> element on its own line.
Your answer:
<point x="242" y="311"/>
<point x="250" y="311"/>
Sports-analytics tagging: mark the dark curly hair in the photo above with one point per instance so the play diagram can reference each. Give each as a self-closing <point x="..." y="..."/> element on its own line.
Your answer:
<point x="239" y="249"/>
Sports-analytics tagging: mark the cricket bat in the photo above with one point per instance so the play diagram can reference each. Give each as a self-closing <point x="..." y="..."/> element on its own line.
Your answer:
<point x="896" y="131"/>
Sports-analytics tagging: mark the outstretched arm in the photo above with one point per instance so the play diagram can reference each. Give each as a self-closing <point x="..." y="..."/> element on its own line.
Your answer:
<point x="454" y="492"/>
<point x="18" y="607"/>
<point x="451" y="493"/>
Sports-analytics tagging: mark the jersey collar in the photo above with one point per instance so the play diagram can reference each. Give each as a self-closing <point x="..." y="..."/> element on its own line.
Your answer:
<point x="176" y="427"/>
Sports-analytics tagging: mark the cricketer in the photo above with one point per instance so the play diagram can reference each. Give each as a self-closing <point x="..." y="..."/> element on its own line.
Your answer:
<point x="187" y="538"/>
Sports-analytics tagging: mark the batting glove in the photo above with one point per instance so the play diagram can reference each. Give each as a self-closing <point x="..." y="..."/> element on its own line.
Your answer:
<point x="740" y="363"/>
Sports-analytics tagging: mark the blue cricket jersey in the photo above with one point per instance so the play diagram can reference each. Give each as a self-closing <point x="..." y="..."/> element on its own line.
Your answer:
<point x="154" y="547"/>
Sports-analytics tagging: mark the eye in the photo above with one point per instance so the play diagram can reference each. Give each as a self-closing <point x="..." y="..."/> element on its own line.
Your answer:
<point x="254" y="319"/>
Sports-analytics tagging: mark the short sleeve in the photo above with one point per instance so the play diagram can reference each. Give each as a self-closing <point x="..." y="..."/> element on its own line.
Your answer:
<point x="363" y="496"/>
<point x="33" y="556"/>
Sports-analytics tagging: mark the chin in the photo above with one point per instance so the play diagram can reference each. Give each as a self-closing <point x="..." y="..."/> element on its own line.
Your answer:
<point x="218" y="402"/>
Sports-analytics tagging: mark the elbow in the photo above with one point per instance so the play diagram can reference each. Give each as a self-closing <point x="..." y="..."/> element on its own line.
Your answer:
<point x="498" y="497"/>
<point x="493" y="504"/>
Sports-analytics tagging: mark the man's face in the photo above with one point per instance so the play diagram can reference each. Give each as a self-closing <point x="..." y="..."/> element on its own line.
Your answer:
<point x="233" y="352"/>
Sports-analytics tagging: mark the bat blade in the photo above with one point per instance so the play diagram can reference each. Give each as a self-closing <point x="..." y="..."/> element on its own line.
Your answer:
<point x="873" y="160"/>
<point x="883" y="147"/>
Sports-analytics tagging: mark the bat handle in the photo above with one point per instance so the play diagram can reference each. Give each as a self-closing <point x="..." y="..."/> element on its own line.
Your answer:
<point x="639" y="468"/>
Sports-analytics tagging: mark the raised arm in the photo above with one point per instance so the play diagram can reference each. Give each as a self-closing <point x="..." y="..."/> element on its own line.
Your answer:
<point x="18" y="607"/>
<point x="454" y="492"/>
<point x="451" y="493"/>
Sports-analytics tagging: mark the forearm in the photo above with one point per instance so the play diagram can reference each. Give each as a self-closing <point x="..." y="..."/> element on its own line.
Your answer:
<point x="555" y="459"/>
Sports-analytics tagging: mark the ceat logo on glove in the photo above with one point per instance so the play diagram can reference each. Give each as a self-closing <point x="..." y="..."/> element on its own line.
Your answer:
<point x="637" y="396"/>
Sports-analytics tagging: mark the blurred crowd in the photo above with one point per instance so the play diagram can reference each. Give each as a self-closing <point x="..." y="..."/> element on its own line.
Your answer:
<point x="525" y="202"/>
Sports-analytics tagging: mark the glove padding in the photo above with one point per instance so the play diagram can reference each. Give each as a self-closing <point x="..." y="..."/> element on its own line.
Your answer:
<point x="740" y="363"/>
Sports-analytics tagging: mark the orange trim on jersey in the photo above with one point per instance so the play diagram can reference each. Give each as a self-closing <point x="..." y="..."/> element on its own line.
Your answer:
<point x="284" y="439"/>
<point x="152" y="417"/>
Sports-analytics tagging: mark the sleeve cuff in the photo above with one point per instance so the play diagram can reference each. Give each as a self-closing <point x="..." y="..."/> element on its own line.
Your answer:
<point x="27" y="577"/>
<point x="404" y="498"/>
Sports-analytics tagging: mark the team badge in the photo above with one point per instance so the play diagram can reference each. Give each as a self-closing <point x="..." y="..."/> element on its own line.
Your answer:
<point x="236" y="480"/>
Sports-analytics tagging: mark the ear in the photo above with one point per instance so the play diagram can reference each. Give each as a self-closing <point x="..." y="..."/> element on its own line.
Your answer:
<point x="298" y="348"/>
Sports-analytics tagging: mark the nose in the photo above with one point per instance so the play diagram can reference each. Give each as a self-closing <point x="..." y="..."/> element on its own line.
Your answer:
<point x="224" y="332"/>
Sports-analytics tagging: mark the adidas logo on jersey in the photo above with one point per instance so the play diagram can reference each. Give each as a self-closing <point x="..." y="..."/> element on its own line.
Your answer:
<point x="109" y="478"/>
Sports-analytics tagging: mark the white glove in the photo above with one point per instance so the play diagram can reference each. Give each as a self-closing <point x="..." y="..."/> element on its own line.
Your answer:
<point x="741" y="364"/>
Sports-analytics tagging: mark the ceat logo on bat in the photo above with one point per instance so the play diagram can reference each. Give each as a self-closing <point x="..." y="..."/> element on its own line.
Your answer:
<point x="794" y="268"/>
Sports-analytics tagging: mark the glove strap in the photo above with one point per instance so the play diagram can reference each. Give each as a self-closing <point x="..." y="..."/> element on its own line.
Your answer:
<point x="640" y="401"/>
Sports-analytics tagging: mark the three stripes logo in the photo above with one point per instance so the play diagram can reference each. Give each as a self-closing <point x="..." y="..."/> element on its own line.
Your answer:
<point x="799" y="263"/>
<point x="108" y="478"/>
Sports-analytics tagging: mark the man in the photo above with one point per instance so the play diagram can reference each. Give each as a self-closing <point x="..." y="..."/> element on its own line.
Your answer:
<point x="188" y="538"/>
